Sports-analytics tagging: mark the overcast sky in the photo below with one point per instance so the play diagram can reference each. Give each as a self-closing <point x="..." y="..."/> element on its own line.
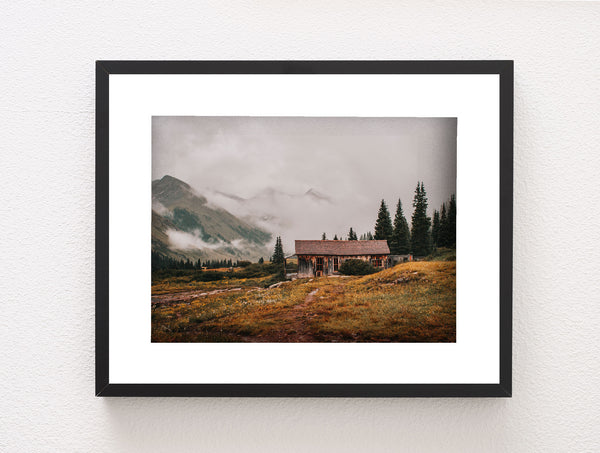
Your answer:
<point x="354" y="161"/>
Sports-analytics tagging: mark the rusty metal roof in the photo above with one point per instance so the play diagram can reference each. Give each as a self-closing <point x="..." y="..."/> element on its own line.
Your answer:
<point x="342" y="248"/>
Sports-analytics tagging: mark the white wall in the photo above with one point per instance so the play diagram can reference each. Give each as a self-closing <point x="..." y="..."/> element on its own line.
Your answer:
<point x="47" y="223"/>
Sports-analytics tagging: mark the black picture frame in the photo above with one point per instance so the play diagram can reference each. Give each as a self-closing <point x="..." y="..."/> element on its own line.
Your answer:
<point x="503" y="68"/>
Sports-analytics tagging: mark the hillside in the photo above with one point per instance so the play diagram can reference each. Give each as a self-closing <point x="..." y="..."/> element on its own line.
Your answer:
<point x="185" y="225"/>
<point x="411" y="302"/>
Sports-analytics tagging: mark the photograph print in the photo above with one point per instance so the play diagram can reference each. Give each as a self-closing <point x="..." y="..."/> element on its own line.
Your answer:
<point x="303" y="229"/>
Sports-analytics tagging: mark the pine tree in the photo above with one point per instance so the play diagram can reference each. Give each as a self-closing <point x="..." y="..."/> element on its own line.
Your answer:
<point x="352" y="235"/>
<point x="451" y="222"/>
<point x="261" y="260"/>
<point x="369" y="236"/>
<point x="443" y="234"/>
<point x="278" y="256"/>
<point x="324" y="237"/>
<point x="420" y="234"/>
<point x="400" y="244"/>
<point x="383" y="226"/>
<point x="435" y="229"/>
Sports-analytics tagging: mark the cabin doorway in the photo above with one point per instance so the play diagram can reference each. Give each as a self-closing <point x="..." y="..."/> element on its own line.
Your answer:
<point x="319" y="267"/>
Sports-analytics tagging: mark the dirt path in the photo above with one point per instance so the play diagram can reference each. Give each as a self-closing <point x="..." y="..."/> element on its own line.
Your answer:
<point x="298" y="330"/>
<point x="295" y="327"/>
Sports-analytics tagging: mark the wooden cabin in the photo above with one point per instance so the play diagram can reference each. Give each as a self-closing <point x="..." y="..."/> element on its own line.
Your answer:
<point x="321" y="258"/>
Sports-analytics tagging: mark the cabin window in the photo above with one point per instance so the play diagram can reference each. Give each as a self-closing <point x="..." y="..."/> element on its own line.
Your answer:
<point x="376" y="262"/>
<point x="319" y="264"/>
<point x="335" y="264"/>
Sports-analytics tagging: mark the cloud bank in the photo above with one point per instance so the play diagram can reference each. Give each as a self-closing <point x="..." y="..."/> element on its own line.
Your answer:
<point x="261" y="168"/>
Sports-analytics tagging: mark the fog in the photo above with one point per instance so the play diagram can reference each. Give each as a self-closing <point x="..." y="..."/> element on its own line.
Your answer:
<point x="261" y="168"/>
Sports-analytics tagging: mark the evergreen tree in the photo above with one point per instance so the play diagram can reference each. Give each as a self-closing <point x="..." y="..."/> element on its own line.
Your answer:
<point x="369" y="236"/>
<point x="451" y="222"/>
<point x="278" y="256"/>
<point x="383" y="226"/>
<point x="443" y="234"/>
<point x="335" y="238"/>
<point x="400" y="244"/>
<point x="435" y="229"/>
<point x="324" y="237"/>
<point x="261" y="260"/>
<point x="352" y="235"/>
<point x="420" y="234"/>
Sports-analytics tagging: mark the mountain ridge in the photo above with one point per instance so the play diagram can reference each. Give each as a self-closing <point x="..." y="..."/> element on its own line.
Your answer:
<point x="184" y="224"/>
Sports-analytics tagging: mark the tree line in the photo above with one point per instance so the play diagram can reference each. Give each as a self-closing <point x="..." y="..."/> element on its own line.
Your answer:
<point x="443" y="230"/>
<point x="160" y="261"/>
<point x="352" y="236"/>
<point x="424" y="233"/>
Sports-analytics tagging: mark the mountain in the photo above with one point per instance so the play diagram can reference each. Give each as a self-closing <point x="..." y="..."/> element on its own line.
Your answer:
<point x="268" y="208"/>
<point x="291" y="215"/>
<point x="316" y="195"/>
<point x="185" y="225"/>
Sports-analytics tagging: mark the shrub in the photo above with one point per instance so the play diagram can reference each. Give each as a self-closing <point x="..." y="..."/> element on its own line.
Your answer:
<point x="275" y="278"/>
<point x="291" y="267"/>
<point x="442" y="254"/>
<point x="244" y="263"/>
<point x="208" y="276"/>
<point x="357" y="267"/>
<point x="251" y="271"/>
<point x="166" y="273"/>
<point x="255" y="270"/>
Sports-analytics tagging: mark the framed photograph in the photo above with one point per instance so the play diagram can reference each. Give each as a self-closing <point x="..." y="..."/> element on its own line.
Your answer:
<point x="304" y="228"/>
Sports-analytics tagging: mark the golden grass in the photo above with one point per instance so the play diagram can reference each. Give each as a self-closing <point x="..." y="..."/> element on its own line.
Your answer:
<point x="412" y="302"/>
<point x="186" y="283"/>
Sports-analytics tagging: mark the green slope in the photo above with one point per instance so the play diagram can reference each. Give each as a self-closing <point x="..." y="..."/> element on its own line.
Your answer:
<point x="188" y="211"/>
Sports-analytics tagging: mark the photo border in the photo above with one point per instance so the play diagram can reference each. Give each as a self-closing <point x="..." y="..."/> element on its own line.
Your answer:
<point x="503" y="68"/>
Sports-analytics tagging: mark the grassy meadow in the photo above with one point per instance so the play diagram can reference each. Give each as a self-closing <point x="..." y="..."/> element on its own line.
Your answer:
<point x="411" y="302"/>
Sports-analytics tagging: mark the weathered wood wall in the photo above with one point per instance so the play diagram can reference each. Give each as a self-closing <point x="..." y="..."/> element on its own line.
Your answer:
<point x="307" y="264"/>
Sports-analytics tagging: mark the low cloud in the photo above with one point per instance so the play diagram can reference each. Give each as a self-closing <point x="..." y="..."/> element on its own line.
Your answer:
<point x="181" y="240"/>
<point x="161" y="209"/>
<point x="185" y="241"/>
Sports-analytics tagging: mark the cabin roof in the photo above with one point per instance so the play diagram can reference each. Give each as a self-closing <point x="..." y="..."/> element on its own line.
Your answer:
<point x="342" y="248"/>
